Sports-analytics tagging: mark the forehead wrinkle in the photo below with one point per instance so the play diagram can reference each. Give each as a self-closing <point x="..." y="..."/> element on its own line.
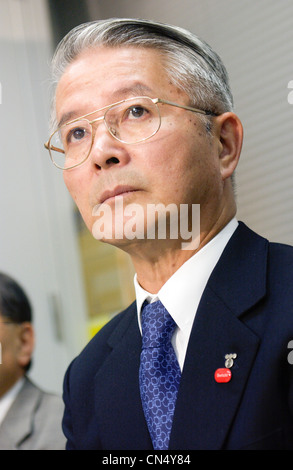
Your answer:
<point x="136" y="89"/>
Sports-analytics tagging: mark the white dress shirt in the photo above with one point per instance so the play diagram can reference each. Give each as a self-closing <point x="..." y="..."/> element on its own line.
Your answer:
<point x="182" y="292"/>
<point x="9" y="397"/>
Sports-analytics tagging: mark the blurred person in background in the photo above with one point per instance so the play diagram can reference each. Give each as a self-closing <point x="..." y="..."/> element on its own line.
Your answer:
<point x="30" y="419"/>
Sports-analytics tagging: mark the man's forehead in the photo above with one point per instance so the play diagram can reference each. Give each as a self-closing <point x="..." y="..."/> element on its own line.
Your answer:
<point x="105" y="57"/>
<point x="94" y="81"/>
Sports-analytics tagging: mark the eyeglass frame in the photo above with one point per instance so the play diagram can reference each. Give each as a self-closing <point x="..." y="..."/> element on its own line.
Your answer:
<point x="155" y="101"/>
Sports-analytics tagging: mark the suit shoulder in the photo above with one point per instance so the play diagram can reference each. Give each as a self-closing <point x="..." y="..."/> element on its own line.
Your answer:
<point x="280" y="272"/>
<point x="281" y="248"/>
<point x="281" y="255"/>
<point x="42" y="398"/>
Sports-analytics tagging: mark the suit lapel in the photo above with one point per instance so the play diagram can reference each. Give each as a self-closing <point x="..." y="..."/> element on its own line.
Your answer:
<point x="205" y="409"/>
<point x="17" y="425"/>
<point x="118" y="401"/>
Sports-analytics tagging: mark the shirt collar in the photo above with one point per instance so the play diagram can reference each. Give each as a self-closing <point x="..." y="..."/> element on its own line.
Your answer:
<point x="182" y="292"/>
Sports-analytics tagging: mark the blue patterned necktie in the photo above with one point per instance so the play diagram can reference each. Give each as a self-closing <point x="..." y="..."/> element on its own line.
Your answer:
<point x="159" y="374"/>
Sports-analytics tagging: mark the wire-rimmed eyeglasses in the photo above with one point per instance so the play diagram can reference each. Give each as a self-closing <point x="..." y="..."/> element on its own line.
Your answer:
<point x="129" y="121"/>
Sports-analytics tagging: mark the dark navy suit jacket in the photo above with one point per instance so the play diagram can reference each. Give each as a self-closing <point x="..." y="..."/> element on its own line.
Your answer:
<point x="247" y="309"/>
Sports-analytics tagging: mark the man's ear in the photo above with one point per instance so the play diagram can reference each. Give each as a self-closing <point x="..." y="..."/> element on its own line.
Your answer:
<point x="26" y="343"/>
<point x="229" y="131"/>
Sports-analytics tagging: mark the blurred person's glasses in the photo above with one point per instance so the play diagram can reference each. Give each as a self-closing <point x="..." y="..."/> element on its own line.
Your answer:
<point x="129" y="121"/>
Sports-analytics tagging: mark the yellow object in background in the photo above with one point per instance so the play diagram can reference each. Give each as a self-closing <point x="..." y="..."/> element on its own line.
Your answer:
<point x="96" y="323"/>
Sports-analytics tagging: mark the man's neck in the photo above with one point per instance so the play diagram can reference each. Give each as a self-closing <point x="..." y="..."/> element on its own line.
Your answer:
<point x="156" y="264"/>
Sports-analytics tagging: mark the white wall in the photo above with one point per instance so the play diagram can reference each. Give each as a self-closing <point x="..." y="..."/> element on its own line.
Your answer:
<point x="37" y="238"/>
<point x="255" y="40"/>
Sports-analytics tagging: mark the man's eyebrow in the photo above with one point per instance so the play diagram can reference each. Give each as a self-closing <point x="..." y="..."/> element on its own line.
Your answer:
<point x="67" y="117"/>
<point x="137" y="89"/>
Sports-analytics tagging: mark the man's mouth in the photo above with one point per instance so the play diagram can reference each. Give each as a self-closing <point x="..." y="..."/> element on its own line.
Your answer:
<point x="117" y="191"/>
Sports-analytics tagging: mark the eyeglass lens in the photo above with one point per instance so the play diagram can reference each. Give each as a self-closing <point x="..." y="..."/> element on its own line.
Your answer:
<point x="132" y="121"/>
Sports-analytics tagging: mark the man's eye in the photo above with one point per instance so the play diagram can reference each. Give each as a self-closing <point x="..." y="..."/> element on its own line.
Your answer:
<point x="137" y="112"/>
<point x="76" y="134"/>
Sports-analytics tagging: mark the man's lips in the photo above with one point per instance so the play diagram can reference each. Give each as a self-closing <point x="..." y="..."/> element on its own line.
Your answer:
<point x="117" y="191"/>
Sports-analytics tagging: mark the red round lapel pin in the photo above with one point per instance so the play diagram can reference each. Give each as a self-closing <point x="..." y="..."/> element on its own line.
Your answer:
<point x="224" y="374"/>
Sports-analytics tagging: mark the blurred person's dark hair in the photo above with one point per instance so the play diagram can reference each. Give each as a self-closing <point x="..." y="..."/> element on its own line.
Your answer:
<point x="14" y="303"/>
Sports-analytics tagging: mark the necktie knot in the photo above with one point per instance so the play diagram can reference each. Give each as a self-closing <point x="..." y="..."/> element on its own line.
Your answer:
<point x="157" y="325"/>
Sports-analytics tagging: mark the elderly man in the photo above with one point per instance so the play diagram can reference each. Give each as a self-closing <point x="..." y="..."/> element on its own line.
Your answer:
<point x="30" y="419"/>
<point x="144" y="119"/>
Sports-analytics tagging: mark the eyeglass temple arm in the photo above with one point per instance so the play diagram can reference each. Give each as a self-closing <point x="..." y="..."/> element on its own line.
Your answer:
<point x="188" y="108"/>
<point x="51" y="147"/>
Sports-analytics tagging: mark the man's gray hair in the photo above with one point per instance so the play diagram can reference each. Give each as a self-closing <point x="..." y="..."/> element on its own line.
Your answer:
<point x="190" y="62"/>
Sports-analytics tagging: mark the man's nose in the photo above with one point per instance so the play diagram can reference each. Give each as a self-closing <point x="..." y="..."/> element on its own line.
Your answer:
<point x="107" y="151"/>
